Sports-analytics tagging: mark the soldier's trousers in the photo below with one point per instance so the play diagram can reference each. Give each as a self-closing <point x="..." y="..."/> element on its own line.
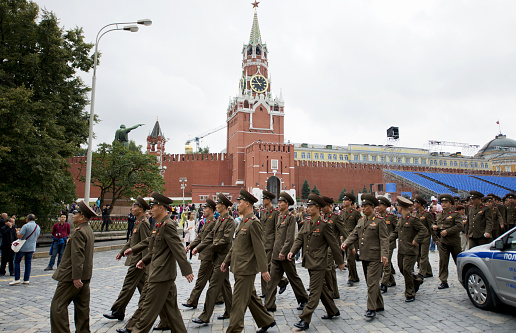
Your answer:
<point x="444" y="259"/>
<point x="331" y="276"/>
<point x="283" y="281"/>
<point x="478" y="241"/>
<point x="406" y="265"/>
<point x="318" y="291"/>
<point x="373" y="272"/>
<point x="424" y="264"/>
<point x="277" y="269"/>
<point x="219" y="281"/>
<point x="160" y="296"/>
<point x="137" y="314"/>
<point x="135" y="278"/>
<point x="388" y="277"/>
<point x="203" y="276"/>
<point x="64" y="295"/>
<point x="244" y="296"/>
<point x="352" y="265"/>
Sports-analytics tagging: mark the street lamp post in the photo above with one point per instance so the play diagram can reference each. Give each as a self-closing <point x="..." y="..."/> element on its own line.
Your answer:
<point x="183" y="180"/>
<point x="131" y="28"/>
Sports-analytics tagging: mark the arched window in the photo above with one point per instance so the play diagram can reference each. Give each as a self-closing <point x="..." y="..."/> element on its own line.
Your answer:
<point x="258" y="50"/>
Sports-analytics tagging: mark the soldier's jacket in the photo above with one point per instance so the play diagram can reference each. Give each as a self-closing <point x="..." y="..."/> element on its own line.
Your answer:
<point x="337" y="224"/>
<point x="409" y="229"/>
<point x="206" y="229"/>
<point x="315" y="237"/>
<point x="350" y="218"/>
<point x="220" y="238"/>
<point x="392" y="221"/>
<point x="77" y="262"/>
<point x="510" y="215"/>
<point x="427" y="219"/>
<point x="480" y="221"/>
<point x="285" y="233"/>
<point x="503" y="211"/>
<point x="140" y="232"/>
<point x="268" y="220"/>
<point x="247" y="255"/>
<point x="451" y="221"/>
<point x="371" y="232"/>
<point x="165" y="252"/>
<point x="497" y="217"/>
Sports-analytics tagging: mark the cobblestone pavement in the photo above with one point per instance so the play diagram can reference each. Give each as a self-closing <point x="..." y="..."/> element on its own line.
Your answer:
<point x="25" y="308"/>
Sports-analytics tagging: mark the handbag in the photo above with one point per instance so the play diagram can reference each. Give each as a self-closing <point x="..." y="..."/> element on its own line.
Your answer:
<point x="17" y="244"/>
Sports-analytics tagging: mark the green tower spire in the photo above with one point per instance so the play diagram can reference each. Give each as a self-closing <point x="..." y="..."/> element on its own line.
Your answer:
<point x="255" y="37"/>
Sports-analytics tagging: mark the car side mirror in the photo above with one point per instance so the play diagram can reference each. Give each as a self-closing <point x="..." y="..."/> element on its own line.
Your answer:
<point x="499" y="245"/>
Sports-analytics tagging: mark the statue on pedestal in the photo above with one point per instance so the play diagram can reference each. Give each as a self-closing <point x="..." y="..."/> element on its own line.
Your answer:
<point x="122" y="134"/>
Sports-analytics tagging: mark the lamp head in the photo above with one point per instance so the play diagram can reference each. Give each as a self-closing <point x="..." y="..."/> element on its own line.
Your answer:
<point x="145" y="22"/>
<point x="131" y="28"/>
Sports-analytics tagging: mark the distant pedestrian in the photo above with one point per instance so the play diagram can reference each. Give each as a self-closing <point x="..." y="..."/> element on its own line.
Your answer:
<point x="106" y="217"/>
<point x="60" y="233"/>
<point x="130" y="224"/>
<point x="8" y="232"/>
<point x="190" y="233"/>
<point x="30" y="233"/>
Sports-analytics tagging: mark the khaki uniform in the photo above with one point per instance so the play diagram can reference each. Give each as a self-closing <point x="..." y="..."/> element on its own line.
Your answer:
<point x="268" y="221"/>
<point x="331" y="274"/>
<point x="218" y="242"/>
<point x="498" y="221"/>
<point x="391" y="221"/>
<point x="350" y="219"/>
<point x="510" y="216"/>
<point x="409" y="229"/>
<point x="77" y="264"/>
<point x="480" y="221"/>
<point x="373" y="237"/>
<point x="285" y="233"/>
<point x="161" y="294"/>
<point x="246" y="258"/>
<point x="427" y="219"/>
<point x="451" y="221"/>
<point x="316" y="237"/>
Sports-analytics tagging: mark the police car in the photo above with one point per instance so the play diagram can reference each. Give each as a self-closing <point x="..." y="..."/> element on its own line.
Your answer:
<point x="488" y="272"/>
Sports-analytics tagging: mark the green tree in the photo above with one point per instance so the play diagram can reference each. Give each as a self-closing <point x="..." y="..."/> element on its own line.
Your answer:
<point x="364" y="190"/>
<point x="316" y="190"/>
<point x="305" y="190"/>
<point x="42" y="102"/>
<point x="205" y="150"/>
<point x="134" y="147"/>
<point x="341" y="195"/>
<point x="123" y="172"/>
<point x="353" y="192"/>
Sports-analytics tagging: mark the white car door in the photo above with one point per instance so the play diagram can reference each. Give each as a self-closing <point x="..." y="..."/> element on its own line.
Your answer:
<point x="504" y="266"/>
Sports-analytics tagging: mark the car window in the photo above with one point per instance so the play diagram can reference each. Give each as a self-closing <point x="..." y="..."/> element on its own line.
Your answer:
<point x="511" y="241"/>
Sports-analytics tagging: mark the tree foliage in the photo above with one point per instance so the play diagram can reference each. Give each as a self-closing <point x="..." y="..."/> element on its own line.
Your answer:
<point x="315" y="190"/>
<point x="364" y="190"/>
<point x="341" y="196"/>
<point x="305" y="190"/>
<point x="42" y="103"/>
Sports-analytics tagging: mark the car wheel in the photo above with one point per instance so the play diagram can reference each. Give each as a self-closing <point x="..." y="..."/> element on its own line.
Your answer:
<point x="479" y="291"/>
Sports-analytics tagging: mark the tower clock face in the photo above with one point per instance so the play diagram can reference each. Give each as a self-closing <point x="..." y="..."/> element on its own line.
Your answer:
<point x="259" y="83"/>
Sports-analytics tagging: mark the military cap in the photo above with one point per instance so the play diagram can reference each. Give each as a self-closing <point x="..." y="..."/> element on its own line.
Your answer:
<point x="314" y="199"/>
<point x="329" y="201"/>
<point x="487" y="198"/>
<point x="160" y="199"/>
<point x="221" y="198"/>
<point x="210" y="203"/>
<point x="268" y="195"/>
<point x="384" y="201"/>
<point x="85" y="210"/>
<point x="351" y="197"/>
<point x="404" y="202"/>
<point x="142" y="203"/>
<point x="447" y="197"/>
<point x="494" y="196"/>
<point x="419" y="199"/>
<point x="475" y="194"/>
<point x="509" y="196"/>
<point x="369" y="199"/>
<point x="284" y="196"/>
<point x="244" y="195"/>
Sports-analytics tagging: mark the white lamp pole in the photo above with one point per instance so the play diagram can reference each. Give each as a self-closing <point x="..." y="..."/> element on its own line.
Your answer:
<point x="183" y="180"/>
<point x="131" y="28"/>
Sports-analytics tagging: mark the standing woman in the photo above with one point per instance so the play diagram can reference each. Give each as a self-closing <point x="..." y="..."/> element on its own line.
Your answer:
<point x="30" y="233"/>
<point x="190" y="233"/>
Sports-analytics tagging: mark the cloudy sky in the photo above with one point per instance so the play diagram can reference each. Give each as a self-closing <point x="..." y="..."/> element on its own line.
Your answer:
<point x="348" y="69"/>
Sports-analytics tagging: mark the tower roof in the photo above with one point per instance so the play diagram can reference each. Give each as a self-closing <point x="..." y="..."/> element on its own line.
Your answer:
<point x="156" y="131"/>
<point x="255" y="37"/>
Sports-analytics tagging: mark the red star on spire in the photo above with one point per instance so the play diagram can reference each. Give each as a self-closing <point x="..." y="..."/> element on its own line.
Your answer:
<point x="255" y="4"/>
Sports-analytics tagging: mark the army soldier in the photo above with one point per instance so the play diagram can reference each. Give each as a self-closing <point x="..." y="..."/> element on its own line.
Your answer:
<point x="336" y="223"/>
<point x="206" y="257"/>
<point x="391" y="221"/>
<point x="480" y="221"/>
<point x="218" y="241"/>
<point x="446" y="232"/>
<point x="135" y="278"/>
<point x="166" y="251"/>
<point x="410" y="233"/>
<point x="284" y="239"/>
<point x="510" y="211"/>
<point x="315" y="237"/>
<point x="497" y="216"/>
<point x="268" y="220"/>
<point x="74" y="274"/>
<point x="246" y="258"/>
<point x="372" y="234"/>
<point x="350" y="217"/>
<point x="427" y="219"/>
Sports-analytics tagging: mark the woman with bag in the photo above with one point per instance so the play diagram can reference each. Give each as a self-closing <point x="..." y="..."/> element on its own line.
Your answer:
<point x="190" y="234"/>
<point x="28" y="236"/>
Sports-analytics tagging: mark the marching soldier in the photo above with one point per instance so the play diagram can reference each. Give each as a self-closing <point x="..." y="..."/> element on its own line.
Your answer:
<point x="316" y="236"/>
<point x="391" y="221"/>
<point x="410" y="233"/>
<point x="510" y="211"/>
<point x="427" y="219"/>
<point x="446" y="232"/>
<point x="246" y="258"/>
<point x="339" y="229"/>
<point x="284" y="239"/>
<point x="135" y="278"/>
<point x="167" y="250"/>
<point x="74" y="274"/>
<point x="498" y="222"/>
<point x="372" y="234"/>
<point x="219" y="242"/>
<point x="480" y="221"/>
<point x="350" y="217"/>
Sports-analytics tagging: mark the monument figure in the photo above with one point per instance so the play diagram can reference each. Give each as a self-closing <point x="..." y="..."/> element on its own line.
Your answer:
<point x="122" y="134"/>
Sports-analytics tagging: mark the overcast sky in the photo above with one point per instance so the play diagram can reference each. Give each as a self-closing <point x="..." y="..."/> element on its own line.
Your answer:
<point x="348" y="70"/>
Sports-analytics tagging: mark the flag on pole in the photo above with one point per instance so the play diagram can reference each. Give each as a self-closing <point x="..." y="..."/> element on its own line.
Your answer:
<point x="497" y="122"/>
